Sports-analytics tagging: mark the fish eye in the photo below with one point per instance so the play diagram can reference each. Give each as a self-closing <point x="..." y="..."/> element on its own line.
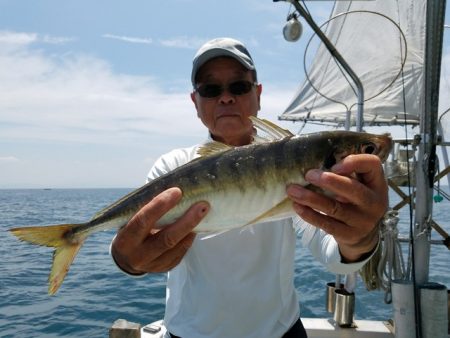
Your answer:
<point x="369" y="148"/>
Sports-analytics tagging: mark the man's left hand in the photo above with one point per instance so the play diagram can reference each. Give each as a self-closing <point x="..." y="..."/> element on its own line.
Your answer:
<point x="359" y="200"/>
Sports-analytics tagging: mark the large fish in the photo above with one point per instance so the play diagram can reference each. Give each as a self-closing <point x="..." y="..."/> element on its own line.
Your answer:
<point x="243" y="185"/>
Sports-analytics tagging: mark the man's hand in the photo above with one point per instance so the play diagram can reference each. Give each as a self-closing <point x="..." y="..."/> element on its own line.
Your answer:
<point x="140" y="248"/>
<point x="351" y="216"/>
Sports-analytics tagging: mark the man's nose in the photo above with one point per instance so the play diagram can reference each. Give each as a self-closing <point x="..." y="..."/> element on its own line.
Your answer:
<point x="226" y="97"/>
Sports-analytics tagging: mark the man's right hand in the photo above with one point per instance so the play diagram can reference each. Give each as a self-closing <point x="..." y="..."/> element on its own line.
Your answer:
<point x="139" y="247"/>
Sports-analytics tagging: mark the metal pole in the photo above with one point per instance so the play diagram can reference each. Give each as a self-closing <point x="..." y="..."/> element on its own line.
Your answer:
<point x="444" y="150"/>
<point x="427" y="147"/>
<point x="426" y="164"/>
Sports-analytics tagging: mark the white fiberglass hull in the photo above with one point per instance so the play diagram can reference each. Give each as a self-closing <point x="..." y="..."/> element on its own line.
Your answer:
<point x="316" y="328"/>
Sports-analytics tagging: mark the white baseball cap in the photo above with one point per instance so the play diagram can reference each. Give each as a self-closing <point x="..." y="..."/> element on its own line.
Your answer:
<point x="221" y="47"/>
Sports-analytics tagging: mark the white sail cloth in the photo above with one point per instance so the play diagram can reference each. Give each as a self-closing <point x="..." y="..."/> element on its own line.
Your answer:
<point x="374" y="47"/>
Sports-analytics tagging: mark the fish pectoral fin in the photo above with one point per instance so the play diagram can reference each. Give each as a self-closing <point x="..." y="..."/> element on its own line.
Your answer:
<point x="208" y="235"/>
<point x="272" y="131"/>
<point x="212" y="148"/>
<point x="58" y="237"/>
<point x="282" y="208"/>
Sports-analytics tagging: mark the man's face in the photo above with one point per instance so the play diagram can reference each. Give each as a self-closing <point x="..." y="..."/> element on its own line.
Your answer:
<point x="226" y="115"/>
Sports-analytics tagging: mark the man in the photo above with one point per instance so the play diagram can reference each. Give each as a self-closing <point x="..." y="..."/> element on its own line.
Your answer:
<point x="240" y="283"/>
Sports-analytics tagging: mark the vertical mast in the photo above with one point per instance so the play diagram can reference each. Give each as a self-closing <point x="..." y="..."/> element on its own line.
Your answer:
<point x="427" y="148"/>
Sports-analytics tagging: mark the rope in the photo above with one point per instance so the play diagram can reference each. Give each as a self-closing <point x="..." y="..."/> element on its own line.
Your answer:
<point x="387" y="262"/>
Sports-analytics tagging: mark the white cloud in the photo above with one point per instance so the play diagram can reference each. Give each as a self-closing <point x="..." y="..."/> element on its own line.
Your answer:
<point x="9" y="38"/>
<point x="128" y="38"/>
<point x="6" y="159"/>
<point x="79" y="98"/>
<point x="16" y="38"/>
<point x="76" y="106"/>
<point x="55" y="40"/>
<point x="183" y="42"/>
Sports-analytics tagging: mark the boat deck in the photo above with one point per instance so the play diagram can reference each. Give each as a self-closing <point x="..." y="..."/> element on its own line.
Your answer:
<point x="316" y="327"/>
<point x="324" y="328"/>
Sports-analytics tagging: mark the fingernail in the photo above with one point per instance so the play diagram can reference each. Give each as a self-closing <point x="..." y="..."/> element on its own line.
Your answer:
<point x="336" y="167"/>
<point x="313" y="175"/>
<point x="294" y="191"/>
<point x="204" y="209"/>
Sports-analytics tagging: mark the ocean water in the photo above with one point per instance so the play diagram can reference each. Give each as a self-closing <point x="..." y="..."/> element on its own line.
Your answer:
<point x="95" y="293"/>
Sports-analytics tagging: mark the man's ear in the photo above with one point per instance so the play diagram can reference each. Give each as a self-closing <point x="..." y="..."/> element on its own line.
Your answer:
<point x="194" y="99"/>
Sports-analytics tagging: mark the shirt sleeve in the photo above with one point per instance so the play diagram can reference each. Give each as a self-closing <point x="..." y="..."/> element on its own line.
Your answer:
<point x="325" y="249"/>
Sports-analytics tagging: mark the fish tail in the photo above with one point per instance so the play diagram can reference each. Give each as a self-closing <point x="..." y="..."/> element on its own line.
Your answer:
<point x="62" y="238"/>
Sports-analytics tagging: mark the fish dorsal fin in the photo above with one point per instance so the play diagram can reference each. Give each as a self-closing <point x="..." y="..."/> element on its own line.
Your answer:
<point x="211" y="148"/>
<point x="272" y="131"/>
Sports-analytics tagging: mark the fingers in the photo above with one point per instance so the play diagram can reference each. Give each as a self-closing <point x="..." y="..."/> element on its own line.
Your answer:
<point x="174" y="235"/>
<point x="139" y="247"/>
<point x="368" y="169"/>
<point x="354" y="228"/>
<point x="354" y="202"/>
<point x="169" y="258"/>
<point x="356" y="179"/>
<point x="313" y="207"/>
<point x="327" y="223"/>
<point x="142" y="223"/>
<point x="323" y="212"/>
<point x="164" y="250"/>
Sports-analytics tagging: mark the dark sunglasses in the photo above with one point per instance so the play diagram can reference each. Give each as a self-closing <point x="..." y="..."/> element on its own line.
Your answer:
<point x="235" y="88"/>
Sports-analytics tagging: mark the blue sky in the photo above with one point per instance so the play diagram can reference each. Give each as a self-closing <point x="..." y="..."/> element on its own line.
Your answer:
<point x="92" y="92"/>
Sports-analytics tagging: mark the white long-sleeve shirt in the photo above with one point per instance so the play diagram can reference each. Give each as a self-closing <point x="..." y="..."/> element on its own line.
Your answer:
<point x="240" y="283"/>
